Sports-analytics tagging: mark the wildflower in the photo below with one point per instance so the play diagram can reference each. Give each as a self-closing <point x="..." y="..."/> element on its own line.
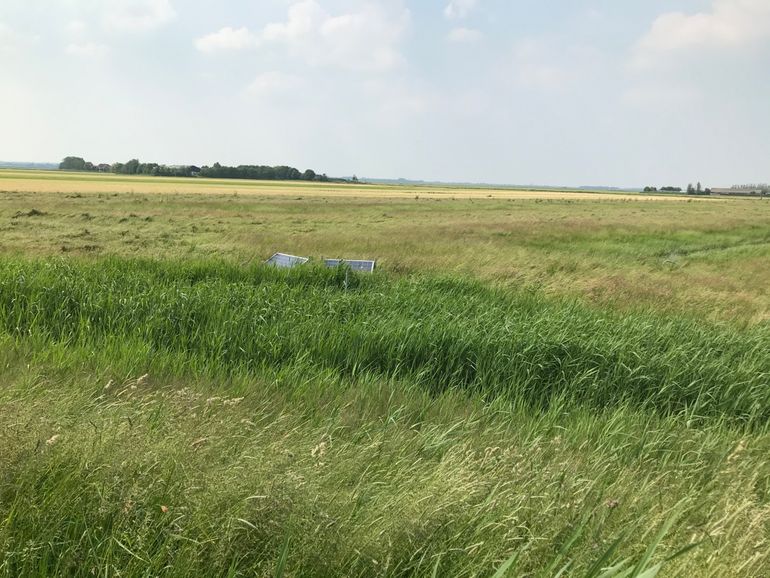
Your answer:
<point x="164" y="509"/>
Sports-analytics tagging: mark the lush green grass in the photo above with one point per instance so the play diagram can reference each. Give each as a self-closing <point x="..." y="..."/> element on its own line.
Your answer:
<point x="399" y="426"/>
<point x="437" y="333"/>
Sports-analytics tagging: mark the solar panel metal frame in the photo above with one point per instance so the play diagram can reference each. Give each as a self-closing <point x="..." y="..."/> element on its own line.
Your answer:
<point x="286" y="261"/>
<point x="359" y="265"/>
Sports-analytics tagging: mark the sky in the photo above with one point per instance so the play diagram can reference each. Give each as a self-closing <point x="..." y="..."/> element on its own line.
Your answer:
<point x="557" y="92"/>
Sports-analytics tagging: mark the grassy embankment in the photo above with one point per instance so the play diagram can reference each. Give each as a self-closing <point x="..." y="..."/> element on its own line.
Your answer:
<point x="402" y="427"/>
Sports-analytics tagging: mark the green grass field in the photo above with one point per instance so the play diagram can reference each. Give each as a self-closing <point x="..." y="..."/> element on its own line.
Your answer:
<point x="529" y="386"/>
<point x="699" y="256"/>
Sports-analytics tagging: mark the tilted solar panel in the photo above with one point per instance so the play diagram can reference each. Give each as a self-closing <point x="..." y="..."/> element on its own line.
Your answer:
<point x="360" y="265"/>
<point x="285" y="261"/>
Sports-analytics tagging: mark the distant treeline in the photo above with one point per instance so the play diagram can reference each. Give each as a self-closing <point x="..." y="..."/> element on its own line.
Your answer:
<point x="665" y="189"/>
<point x="698" y="189"/>
<point x="135" y="167"/>
<point x="691" y="190"/>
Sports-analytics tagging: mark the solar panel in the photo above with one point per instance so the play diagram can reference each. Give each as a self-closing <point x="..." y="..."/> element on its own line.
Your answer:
<point x="285" y="261"/>
<point x="360" y="265"/>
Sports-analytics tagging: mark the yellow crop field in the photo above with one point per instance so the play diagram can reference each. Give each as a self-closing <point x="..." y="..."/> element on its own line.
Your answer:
<point x="55" y="182"/>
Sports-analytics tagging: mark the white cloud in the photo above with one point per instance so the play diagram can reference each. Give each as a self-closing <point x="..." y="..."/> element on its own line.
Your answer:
<point x="226" y="39"/>
<point x="274" y="83"/>
<point x="302" y="20"/>
<point x="459" y="8"/>
<point x="729" y="23"/>
<point x="87" y="50"/>
<point x="139" y="15"/>
<point x="464" y="35"/>
<point x="367" y="39"/>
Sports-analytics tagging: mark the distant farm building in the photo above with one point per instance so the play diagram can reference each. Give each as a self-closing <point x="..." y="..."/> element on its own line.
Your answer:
<point x="740" y="192"/>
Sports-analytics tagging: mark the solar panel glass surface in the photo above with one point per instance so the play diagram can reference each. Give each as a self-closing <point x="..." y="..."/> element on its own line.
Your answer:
<point x="360" y="265"/>
<point x="286" y="261"/>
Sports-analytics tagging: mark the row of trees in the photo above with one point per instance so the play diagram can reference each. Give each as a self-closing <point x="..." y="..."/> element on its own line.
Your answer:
<point x="664" y="189"/>
<point x="135" y="167"/>
<point x="261" y="172"/>
<point x="762" y="187"/>
<point x="691" y="190"/>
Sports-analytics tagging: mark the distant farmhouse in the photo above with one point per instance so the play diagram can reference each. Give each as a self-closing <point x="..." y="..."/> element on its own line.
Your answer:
<point x="759" y="191"/>
<point x="192" y="169"/>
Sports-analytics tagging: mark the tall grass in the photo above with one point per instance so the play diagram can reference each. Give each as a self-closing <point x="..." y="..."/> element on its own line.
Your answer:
<point x="438" y="333"/>
<point x="295" y="424"/>
<point x="148" y="476"/>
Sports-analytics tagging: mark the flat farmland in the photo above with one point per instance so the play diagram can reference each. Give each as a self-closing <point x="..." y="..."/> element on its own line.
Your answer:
<point x="68" y="182"/>
<point x="705" y="256"/>
<point x="535" y="384"/>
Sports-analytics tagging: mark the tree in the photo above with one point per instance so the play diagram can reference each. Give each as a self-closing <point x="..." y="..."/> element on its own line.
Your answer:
<point x="131" y="167"/>
<point x="690" y="189"/>
<point x="699" y="189"/>
<point x="73" y="164"/>
<point x="308" y="175"/>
